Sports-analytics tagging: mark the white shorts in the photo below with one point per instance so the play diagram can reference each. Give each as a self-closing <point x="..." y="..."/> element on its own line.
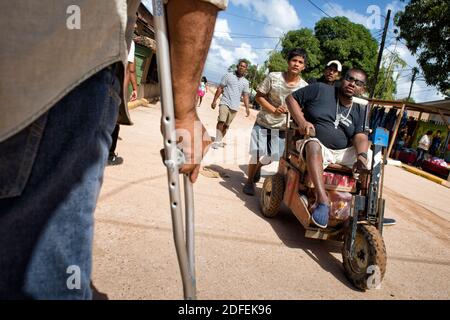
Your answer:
<point x="221" y="4"/>
<point x="345" y="157"/>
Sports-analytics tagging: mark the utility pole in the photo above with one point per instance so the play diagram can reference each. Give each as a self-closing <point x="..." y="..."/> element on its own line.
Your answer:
<point x="380" y="53"/>
<point x="415" y="70"/>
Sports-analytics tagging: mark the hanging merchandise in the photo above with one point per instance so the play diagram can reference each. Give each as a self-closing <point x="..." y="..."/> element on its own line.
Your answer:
<point x="376" y="119"/>
<point x="390" y="119"/>
<point x="404" y="120"/>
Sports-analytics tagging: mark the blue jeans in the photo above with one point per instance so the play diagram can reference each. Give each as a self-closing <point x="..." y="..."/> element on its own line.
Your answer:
<point x="50" y="177"/>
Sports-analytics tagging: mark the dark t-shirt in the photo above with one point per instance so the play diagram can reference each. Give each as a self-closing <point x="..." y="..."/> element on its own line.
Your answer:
<point x="337" y="83"/>
<point x="318" y="102"/>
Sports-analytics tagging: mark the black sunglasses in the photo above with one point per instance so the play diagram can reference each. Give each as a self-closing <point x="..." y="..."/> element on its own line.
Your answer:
<point x="358" y="83"/>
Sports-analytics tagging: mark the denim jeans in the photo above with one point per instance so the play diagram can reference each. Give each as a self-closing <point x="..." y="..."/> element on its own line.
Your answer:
<point x="50" y="177"/>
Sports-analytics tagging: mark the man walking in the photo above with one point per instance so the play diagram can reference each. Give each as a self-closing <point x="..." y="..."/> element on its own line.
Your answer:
<point x="233" y="86"/>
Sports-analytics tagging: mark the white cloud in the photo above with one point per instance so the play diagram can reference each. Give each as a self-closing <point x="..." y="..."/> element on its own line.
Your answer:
<point x="335" y="9"/>
<point x="225" y="56"/>
<point x="222" y="30"/>
<point x="373" y="17"/>
<point x="420" y="92"/>
<point x="395" y="6"/>
<point x="221" y="57"/>
<point x="279" y="14"/>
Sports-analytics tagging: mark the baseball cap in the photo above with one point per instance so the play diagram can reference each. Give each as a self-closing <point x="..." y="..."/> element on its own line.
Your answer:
<point x="337" y="63"/>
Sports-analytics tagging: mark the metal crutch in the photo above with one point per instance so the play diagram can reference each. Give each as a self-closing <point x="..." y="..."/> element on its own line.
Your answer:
<point x="174" y="160"/>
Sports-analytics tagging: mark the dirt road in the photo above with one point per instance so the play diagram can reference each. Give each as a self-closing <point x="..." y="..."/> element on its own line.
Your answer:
<point x="239" y="253"/>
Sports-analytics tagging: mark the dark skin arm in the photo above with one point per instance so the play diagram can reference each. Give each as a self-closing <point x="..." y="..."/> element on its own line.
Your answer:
<point x="219" y="91"/>
<point x="247" y="104"/>
<point x="261" y="98"/>
<point x="191" y="26"/>
<point x="297" y="113"/>
<point x="132" y="71"/>
<point x="361" y="145"/>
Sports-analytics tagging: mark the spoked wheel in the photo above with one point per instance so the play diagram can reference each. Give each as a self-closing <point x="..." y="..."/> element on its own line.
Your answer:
<point x="367" y="266"/>
<point x="272" y="195"/>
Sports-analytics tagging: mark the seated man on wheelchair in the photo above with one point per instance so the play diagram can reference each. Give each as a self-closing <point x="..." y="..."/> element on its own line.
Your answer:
<point x="333" y="129"/>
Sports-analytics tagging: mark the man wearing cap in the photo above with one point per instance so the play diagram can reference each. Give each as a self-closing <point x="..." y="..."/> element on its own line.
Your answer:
<point x="331" y="73"/>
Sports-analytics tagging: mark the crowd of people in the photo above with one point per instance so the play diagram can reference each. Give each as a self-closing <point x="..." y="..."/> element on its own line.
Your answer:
<point x="428" y="145"/>
<point x="323" y="107"/>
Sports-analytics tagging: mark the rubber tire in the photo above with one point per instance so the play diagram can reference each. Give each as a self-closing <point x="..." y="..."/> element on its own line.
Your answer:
<point x="272" y="206"/>
<point x="377" y="257"/>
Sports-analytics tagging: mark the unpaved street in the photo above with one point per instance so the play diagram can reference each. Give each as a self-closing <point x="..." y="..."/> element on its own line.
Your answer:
<point x="239" y="253"/>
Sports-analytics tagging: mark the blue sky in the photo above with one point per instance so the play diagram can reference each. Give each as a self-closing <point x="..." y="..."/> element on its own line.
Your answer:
<point x="251" y="29"/>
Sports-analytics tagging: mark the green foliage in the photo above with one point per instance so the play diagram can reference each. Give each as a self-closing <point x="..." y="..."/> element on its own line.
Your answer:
<point x="276" y="62"/>
<point x="350" y="43"/>
<point x="304" y="38"/>
<point x="425" y="25"/>
<point x="410" y="99"/>
<point x="333" y="38"/>
<point x="387" y="85"/>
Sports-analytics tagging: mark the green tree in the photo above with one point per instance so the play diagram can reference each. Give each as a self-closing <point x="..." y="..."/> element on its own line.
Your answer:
<point x="425" y="25"/>
<point x="410" y="99"/>
<point x="304" y="38"/>
<point x="386" y="87"/>
<point x="350" y="43"/>
<point x="276" y="62"/>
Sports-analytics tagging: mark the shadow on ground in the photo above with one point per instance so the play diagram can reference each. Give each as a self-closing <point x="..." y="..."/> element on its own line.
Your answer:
<point x="97" y="295"/>
<point x="286" y="226"/>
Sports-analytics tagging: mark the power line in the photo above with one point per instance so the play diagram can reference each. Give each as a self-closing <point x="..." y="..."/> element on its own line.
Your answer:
<point x="401" y="69"/>
<point x="247" y="18"/>
<point x="405" y="62"/>
<point x="332" y="7"/>
<point x="231" y="46"/>
<point x="319" y="8"/>
<point x="243" y="35"/>
<point x="415" y="91"/>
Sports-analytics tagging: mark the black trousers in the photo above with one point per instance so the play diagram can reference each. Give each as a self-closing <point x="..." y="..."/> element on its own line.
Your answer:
<point x="115" y="136"/>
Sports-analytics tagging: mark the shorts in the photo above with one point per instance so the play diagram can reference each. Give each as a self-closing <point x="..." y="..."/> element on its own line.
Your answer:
<point x="226" y="115"/>
<point x="200" y="93"/>
<point x="345" y="157"/>
<point x="266" y="145"/>
<point x="221" y="4"/>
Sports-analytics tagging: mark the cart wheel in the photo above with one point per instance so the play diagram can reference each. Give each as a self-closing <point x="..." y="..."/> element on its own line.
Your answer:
<point x="272" y="195"/>
<point x="367" y="267"/>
